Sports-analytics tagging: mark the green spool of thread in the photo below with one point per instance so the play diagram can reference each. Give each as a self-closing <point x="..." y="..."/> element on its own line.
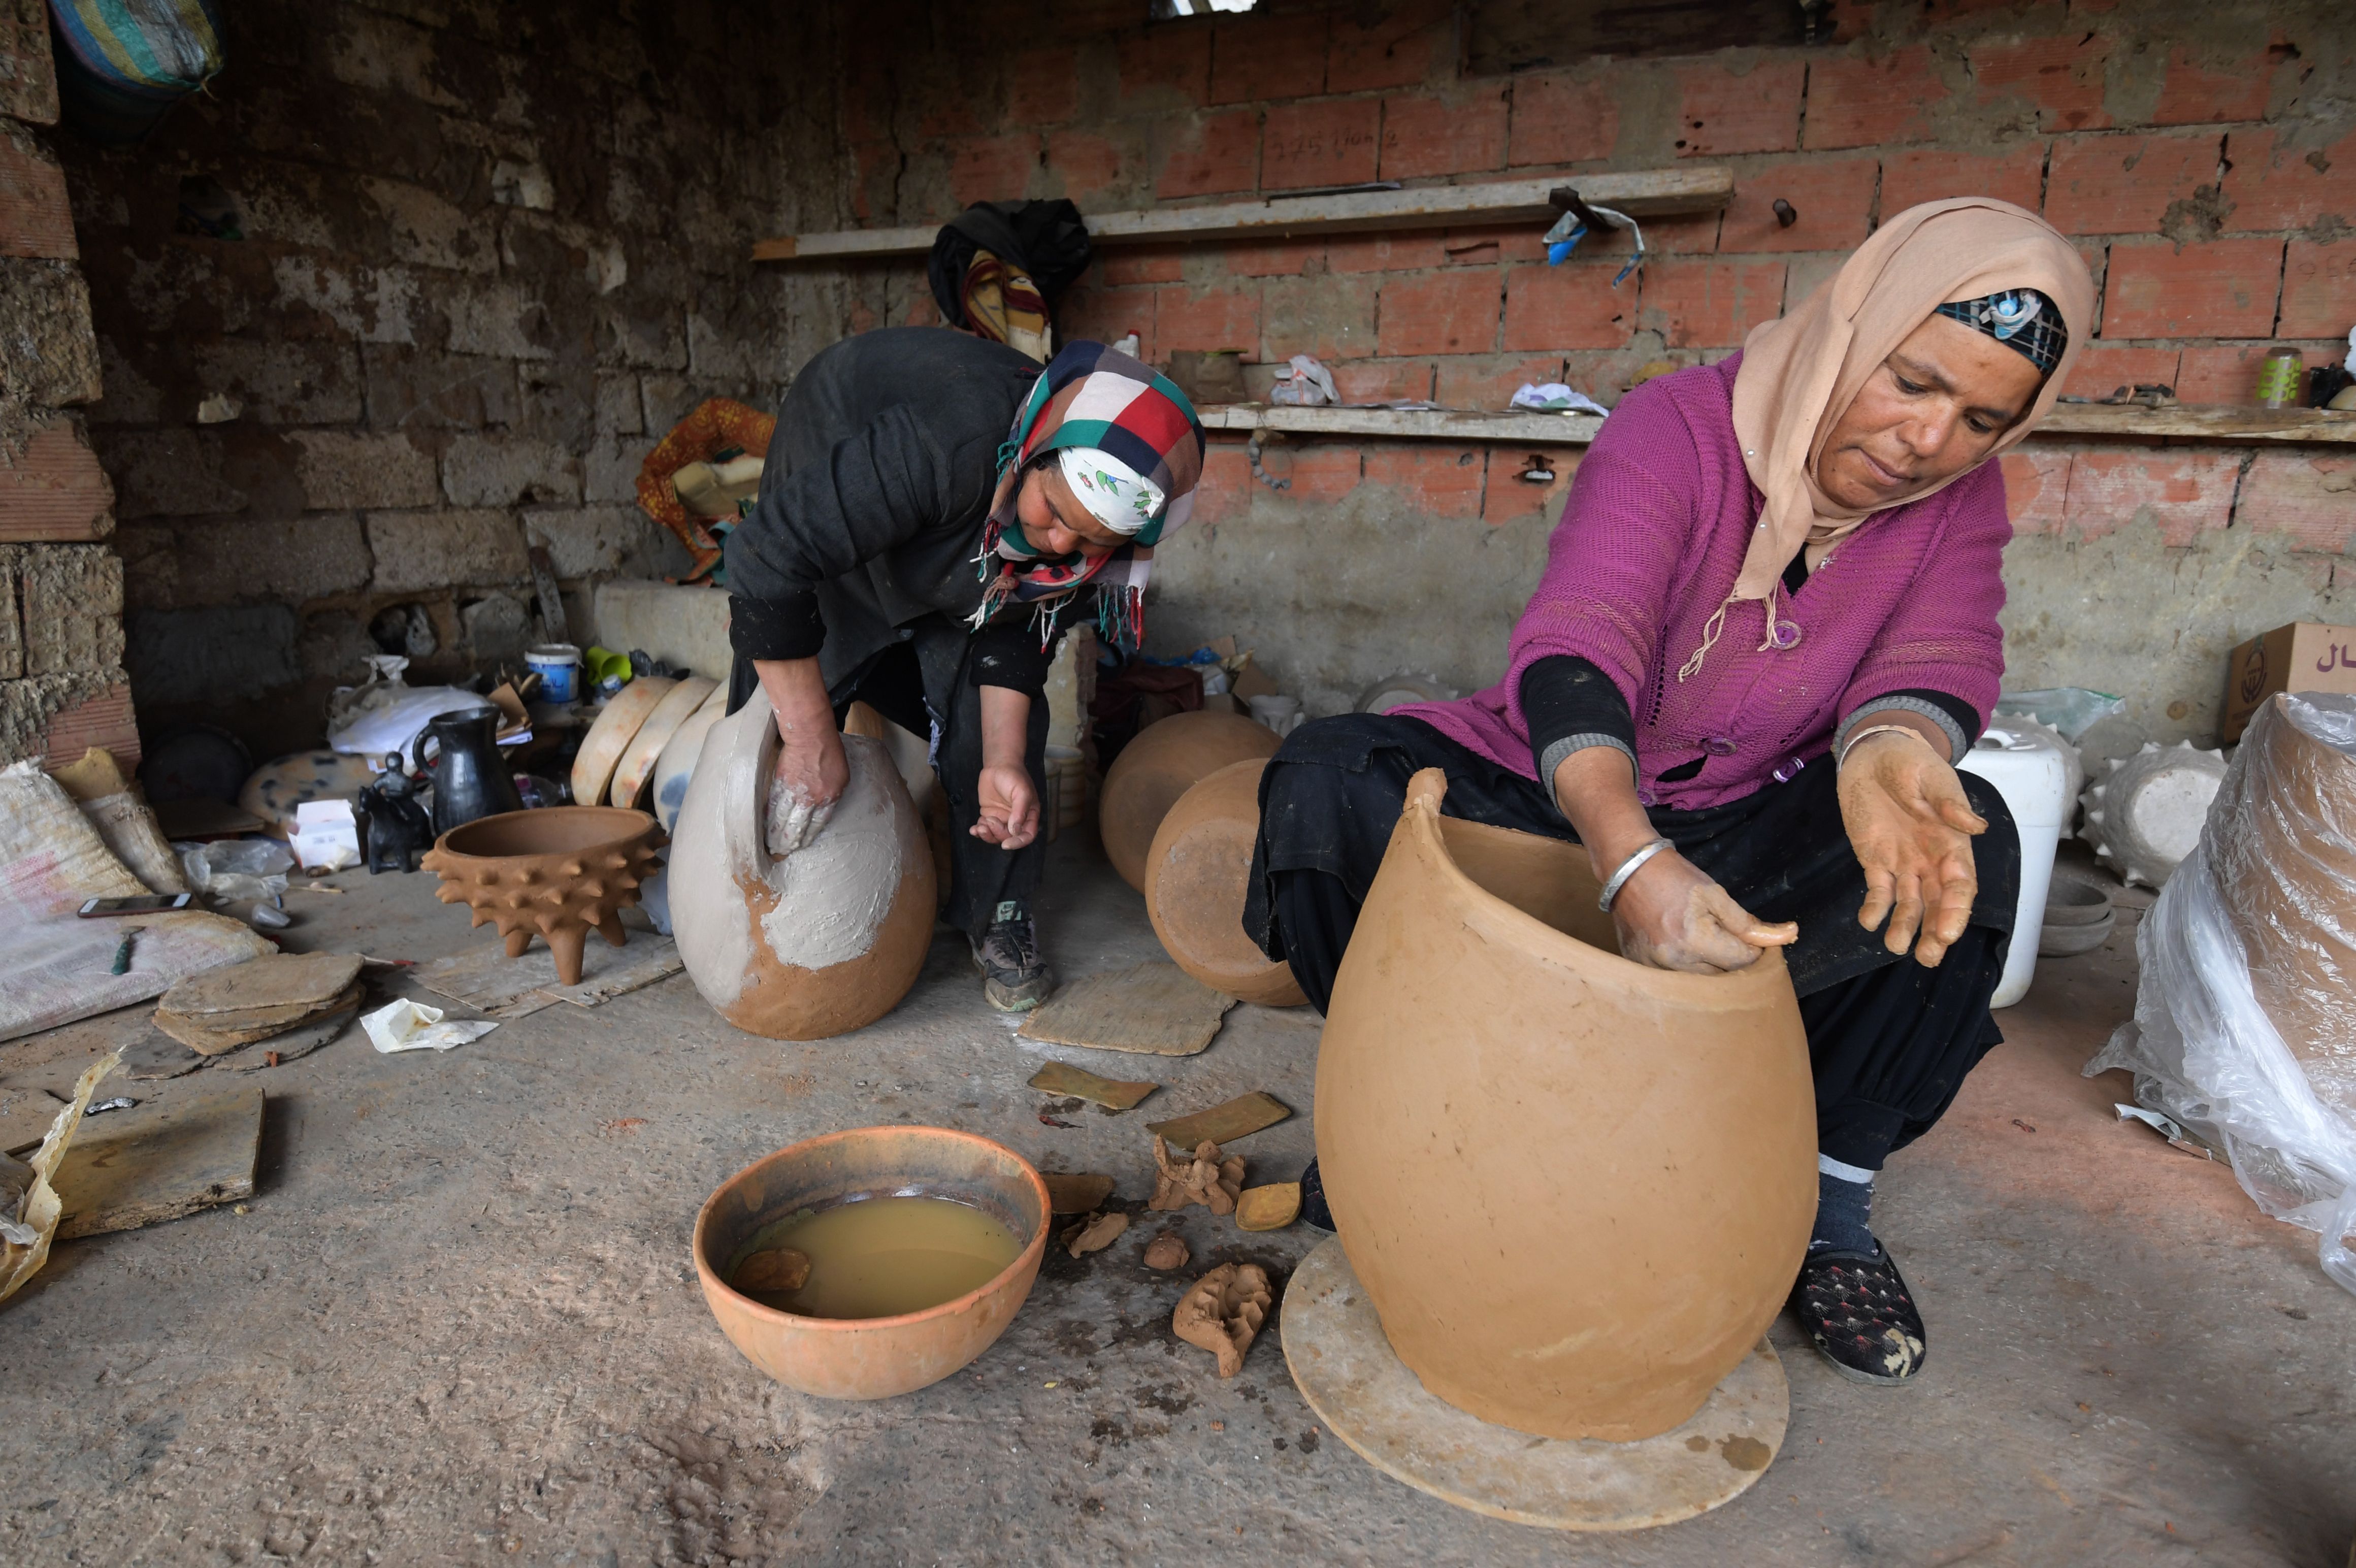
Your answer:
<point x="2279" y="376"/>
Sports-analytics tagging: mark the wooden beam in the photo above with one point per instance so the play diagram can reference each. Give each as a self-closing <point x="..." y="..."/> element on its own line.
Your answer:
<point x="2185" y="423"/>
<point x="1641" y="194"/>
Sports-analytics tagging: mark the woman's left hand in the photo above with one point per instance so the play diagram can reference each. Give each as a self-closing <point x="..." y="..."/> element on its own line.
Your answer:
<point x="1010" y="807"/>
<point x="1911" y="828"/>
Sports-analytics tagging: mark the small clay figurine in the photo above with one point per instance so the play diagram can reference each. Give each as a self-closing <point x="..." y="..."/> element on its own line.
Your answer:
<point x="394" y="829"/>
<point x="1206" y="1180"/>
<point x="1095" y="1233"/>
<point x="1223" y="1312"/>
<point x="1166" y="1251"/>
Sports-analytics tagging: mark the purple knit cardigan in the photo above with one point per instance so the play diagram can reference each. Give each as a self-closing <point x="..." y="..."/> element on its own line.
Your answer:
<point x="1652" y="536"/>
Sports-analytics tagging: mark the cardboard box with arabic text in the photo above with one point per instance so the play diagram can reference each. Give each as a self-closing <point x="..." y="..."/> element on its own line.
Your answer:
<point x="2305" y="656"/>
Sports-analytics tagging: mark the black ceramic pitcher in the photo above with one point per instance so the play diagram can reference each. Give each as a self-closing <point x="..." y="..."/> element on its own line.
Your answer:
<point x="470" y="778"/>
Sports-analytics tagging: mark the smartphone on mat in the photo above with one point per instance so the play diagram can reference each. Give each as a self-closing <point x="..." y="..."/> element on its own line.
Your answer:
<point x="145" y="904"/>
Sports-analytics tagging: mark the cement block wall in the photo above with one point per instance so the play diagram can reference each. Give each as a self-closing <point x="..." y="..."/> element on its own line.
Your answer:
<point x="2203" y="154"/>
<point x="490" y="252"/>
<point x="62" y="685"/>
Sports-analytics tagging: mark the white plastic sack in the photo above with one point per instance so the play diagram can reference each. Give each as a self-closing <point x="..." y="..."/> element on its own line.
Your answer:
<point x="2245" y="1011"/>
<point x="387" y="730"/>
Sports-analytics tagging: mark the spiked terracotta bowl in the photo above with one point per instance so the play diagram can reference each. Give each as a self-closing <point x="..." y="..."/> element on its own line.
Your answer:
<point x="552" y="873"/>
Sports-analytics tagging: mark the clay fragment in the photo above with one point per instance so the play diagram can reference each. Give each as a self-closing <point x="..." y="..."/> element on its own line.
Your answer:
<point x="1269" y="1207"/>
<point x="1223" y="1312"/>
<point x="1095" y="1234"/>
<point x="1113" y="1094"/>
<point x="773" y="1270"/>
<point x="1083" y="1194"/>
<point x="1167" y="1251"/>
<point x="1206" y="1180"/>
<point x="1225" y="1124"/>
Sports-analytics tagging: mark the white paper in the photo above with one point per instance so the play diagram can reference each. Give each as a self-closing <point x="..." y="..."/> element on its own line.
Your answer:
<point x="326" y="837"/>
<point x="406" y="1025"/>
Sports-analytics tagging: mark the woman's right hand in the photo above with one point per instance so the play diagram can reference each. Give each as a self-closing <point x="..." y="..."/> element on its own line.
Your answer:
<point x="812" y="771"/>
<point x="1671" y="916"/>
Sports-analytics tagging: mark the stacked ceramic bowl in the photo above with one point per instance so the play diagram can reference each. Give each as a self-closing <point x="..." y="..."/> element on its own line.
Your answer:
<point x="2078" y="915"/>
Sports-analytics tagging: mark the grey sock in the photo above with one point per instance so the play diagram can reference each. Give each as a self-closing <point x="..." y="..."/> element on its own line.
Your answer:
<point x="1844" y="1211"/>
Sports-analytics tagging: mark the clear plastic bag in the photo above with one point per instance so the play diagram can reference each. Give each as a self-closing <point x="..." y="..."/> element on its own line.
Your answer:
<point x="2245" y="1015"/>
<point x="237" y="868"/>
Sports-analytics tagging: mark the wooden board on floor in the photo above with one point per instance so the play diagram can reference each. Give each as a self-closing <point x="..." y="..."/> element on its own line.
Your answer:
<point x="484" y="979"/>
<point x="24" y="1118"/>
<point x="1154" y="1008"/>
<point x="161" y="1160"/>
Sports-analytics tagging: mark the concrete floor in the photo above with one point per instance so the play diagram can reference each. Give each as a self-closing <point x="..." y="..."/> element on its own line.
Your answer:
<point x="457" y="1324"/>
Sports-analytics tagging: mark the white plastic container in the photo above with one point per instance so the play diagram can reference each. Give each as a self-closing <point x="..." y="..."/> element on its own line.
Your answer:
<point x="2030" y="772"/>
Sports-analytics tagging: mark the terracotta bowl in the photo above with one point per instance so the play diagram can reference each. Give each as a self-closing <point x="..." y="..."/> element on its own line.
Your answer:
<point x="553" y="873"/>
<point x="872" y="1357"/>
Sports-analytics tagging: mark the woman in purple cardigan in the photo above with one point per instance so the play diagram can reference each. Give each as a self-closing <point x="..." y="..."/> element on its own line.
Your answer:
<point x="1766" y="630"/>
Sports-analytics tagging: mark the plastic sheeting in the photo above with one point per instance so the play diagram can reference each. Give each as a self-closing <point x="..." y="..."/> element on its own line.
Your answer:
<point x="2246" y="1016"/>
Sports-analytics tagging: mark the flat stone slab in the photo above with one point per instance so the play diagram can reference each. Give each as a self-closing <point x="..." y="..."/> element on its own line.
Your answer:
<point x="1347" y="1370"/>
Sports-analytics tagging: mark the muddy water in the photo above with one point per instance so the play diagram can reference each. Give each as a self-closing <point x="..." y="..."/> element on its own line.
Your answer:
<point x="882" y="1256"/>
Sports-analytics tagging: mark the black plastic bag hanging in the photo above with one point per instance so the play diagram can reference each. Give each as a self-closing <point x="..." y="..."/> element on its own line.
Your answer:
<point x="1046" y="240"/>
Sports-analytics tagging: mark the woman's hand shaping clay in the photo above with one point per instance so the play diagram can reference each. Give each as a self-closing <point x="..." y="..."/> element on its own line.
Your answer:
<point x="812" y="771"/>
<point x="1671" y="916"/>
<point x="1912" y="829"/>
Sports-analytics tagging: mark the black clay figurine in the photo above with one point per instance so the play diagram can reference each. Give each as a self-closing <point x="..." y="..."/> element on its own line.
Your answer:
<point x="394" y="829"/>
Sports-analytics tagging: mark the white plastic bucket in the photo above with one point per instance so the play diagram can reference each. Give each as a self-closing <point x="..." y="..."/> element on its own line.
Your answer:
<point x="559" y="667"/>
<point x="2030" y="771"/>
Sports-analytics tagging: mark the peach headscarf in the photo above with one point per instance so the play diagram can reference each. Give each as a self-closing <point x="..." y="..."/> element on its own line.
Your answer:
<point x="1799" y="373"/>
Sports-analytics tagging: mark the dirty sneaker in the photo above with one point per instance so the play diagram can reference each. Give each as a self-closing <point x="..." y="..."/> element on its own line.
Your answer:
<point x="1015" y="978"/>
<point x="1856" y="1307"/>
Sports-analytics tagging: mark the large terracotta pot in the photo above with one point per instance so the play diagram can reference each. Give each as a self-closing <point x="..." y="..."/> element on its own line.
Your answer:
<point x="1195" y="878"/>
<point x="1576" y="1189"/>
<point x="821" y="942"/>
<point x="872" y="1357"/>
<point x="554" y="873"/>
<point x="1163" y="762"/>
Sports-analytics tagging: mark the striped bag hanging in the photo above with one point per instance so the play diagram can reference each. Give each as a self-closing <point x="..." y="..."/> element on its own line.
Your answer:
<point x="122" y="64"/>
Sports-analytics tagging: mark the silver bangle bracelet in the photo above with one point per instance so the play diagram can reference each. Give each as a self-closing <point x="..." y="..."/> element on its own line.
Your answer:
<point x="1628" y="868"/>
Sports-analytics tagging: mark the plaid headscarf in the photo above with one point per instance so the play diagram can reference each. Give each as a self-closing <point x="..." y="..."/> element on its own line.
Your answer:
<point x="2021" y="318"/>
<point x="1093" y="398"/>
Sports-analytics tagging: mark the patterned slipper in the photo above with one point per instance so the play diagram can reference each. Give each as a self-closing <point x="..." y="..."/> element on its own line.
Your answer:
<point x="1859" y="1310"/>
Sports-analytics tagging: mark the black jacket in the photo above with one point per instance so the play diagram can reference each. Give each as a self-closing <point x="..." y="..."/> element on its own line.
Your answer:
<point x="872" y="501"/>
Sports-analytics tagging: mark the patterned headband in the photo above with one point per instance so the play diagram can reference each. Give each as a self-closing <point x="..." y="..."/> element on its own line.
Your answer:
<point x="2020" y="320"/>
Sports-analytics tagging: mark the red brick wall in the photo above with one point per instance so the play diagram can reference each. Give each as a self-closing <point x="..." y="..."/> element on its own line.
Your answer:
<point x="2204" y="157"/>
<point x="2211" y="180"/>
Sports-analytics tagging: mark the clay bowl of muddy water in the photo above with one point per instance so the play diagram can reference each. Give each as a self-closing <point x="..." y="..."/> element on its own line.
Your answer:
<point x="869" y="1357"/>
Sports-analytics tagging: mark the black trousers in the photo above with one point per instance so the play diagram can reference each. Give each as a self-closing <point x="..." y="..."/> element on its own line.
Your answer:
<point x="1889" y="1040"/>
<point x="923" y="685"/>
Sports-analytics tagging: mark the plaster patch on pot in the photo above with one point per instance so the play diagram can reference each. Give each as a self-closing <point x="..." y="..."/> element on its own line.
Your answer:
<point x="833" y="893"/>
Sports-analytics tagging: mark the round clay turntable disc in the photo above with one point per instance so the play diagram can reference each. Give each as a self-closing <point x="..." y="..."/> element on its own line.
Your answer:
<point x="1345" y="1368"/>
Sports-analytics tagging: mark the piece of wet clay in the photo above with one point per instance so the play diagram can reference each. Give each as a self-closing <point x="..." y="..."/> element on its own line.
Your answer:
<point x="1113" y="1094"/>
<point x="1223" y="1123"/>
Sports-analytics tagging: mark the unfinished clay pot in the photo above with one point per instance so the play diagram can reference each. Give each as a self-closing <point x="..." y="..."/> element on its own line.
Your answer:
<point x="1576" y="1189"/>
<point x="871" y="1358"/>
<point x="824" y="941"/>
<point x="553" y="873"/>
<point x="1161" y="764"/>
<point x="1195" y="878"/>
<point x="677" y="764"/>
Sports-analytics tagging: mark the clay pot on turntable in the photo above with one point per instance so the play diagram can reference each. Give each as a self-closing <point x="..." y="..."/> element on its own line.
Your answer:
<point x="1162" y="763"/>
<point x="553" y="873"/>
<point x="1195" y="878"/>
<point x="823" y="940"/>
<point x="1576" y="1189"/>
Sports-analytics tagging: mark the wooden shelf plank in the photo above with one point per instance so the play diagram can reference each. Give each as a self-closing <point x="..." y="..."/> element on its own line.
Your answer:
<point x="2233" y="425"/>
<point x="1644" y="193"/>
